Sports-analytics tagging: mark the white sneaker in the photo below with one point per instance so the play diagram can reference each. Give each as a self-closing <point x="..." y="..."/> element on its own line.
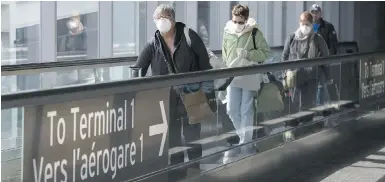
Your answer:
<point x="232" y="152"/>
<point x="230" y="155"/>
<point x="288" y="136"/>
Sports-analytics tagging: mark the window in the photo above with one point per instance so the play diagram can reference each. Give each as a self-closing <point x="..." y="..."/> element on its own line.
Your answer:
<point x="77" y="39"/>
<point x="124" y="28"/>
<point x="20" y="29"/>
<point x="77" y="30"/>
<point x="20" y="23"/>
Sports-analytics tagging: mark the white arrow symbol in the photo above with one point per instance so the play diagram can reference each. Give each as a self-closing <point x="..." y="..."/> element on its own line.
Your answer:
<point x="160" y="128"/>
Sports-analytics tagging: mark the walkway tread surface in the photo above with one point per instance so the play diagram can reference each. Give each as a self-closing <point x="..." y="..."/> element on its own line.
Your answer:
<point x="357" y="156"/>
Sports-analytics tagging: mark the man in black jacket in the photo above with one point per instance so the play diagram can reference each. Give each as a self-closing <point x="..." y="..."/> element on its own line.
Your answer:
<point x="328" y="33"/>
<point x="169" y="50"/>
<point x="324" y="28"/>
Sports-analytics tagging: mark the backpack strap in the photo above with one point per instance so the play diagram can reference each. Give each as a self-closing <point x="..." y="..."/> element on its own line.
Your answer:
<point x="291" y="38"/>
<point x="254" y="33"/>
<point x="187" y="35"/>
<point x="186" y="31"/>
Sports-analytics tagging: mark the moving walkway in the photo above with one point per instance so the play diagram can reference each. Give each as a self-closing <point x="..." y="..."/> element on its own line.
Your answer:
<point x="49" y="124"/>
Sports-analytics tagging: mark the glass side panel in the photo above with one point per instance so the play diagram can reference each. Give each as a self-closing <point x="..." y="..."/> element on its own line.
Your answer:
<point x="49" y="80"/>
<point x="135" y="122"/>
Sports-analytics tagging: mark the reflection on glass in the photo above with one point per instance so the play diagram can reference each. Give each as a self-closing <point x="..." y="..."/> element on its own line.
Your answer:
<point x="273" y="124"/>
<point x="9" y="85"/>
<point x="128" y="17"/>
<point x="77" y="38"/>
<point x="203" y="21"/>
<point x="77" y="30"/>
<point x="11" y="142"/>
<point x="20" y="34"/>
<point x="277" y="113"/>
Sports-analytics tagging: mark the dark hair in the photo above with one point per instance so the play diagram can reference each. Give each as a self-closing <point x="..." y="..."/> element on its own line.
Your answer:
<point x="241" y="10"/>
<point x="308" y="16"/>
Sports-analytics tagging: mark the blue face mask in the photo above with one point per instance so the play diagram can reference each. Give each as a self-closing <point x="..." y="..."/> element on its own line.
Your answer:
<point x="315" y="27"/>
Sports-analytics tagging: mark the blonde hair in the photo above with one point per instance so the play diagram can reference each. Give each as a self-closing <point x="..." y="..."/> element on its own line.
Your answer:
<point x="308" y="16"/>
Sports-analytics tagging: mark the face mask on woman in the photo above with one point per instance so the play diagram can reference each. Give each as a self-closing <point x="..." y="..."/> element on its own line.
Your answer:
<point x="305" y="29"/>
<point x="238" y="28"/>
<point x="163" y="25"/>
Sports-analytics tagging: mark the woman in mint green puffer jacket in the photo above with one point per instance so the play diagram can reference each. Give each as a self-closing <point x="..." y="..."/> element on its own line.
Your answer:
<point x="233" y="40"/>
<point x="240" y="101"/>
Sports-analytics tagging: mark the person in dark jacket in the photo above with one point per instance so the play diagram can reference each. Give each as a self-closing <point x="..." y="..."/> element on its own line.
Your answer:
<point x="169" y="50"/>
<point x="302" y="44"/>
<point x="324" y="28"/>
<point x="327" y="31"/>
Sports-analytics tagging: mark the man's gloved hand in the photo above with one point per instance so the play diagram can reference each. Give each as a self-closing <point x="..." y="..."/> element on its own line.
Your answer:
<point x="241" y="52"/>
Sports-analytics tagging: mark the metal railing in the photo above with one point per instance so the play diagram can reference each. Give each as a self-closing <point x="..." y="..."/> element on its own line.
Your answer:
<point x="35" y="68"/>
<point x="89" y="91"/>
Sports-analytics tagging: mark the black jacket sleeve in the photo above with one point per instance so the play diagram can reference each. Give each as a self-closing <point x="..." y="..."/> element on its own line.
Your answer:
<point x="286" y="48"/>
<point x="144" y="58"/>
<point x="332" y="40"/>
<point x="200" y="51"/>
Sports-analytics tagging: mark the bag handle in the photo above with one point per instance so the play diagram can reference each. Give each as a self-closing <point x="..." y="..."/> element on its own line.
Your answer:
<point x="187" y="35"/>
<point x="186" y="31"/>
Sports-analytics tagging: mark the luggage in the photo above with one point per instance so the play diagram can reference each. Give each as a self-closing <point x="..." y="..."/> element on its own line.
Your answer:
<point x="270" y="96"/>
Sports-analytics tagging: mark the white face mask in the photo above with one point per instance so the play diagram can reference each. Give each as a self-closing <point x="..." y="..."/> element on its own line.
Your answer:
<point x="305" y="29"/>
<point x="163" y="25"/>
<point x="238" y="28"/>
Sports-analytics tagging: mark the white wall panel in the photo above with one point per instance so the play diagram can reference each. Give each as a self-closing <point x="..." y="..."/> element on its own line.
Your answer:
<point x="277" y="16"/>
<point x="292" y="13"/>
<point x="261" y="13"/>
<point x="105" y="29"/>
<point x="150" y="25"/>
<point x="191" y="14"/>
<point x="5" y="17"/>
<point x="48" y="41"/>
<point x="219" y="16"/>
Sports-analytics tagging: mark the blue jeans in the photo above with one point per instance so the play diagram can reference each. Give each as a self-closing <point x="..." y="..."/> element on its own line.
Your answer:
<point x="207" y="87"/>
<point x="241" y="110"/>
<point x="322" y="94"/>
